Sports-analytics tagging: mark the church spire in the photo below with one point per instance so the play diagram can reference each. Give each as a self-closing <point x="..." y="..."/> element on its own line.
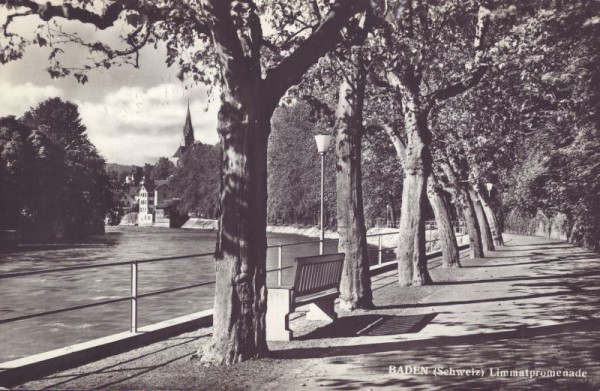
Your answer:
<point x="188" y="129"/>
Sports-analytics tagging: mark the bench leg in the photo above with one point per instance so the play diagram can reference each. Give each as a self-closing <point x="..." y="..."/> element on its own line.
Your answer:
<point x="279" y="306"/>
<point x="322" y="310"/>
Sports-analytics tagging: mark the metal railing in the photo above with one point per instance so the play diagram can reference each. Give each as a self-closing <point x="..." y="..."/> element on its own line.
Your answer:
<point x="134" y="273"/>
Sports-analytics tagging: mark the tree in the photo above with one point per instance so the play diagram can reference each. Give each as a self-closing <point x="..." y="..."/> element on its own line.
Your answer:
<point x="163" y="169"/>
<point x="116" y="211"/>
<point x="147" y="173"/>
<point x="355" y="285"/>
<point x="293" y="169"/>
<point x="226" y="37"/>
<point x="445" y="229"/>
<point x="138" y="174"/>
<point x="85" y="187"/>
<point x="16" y="165"/>
<point x="54" y="174"/>
<point x="196" y="181"/>
<point x="382" y="176"/>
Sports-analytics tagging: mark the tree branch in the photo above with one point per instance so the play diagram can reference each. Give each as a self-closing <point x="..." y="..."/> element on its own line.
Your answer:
<point x="48" y="11"/>
<point x="480" y="66"/>
<point x="289" y="72"/>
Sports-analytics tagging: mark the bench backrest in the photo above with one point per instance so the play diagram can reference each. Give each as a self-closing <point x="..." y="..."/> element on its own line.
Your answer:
<point x="318" y="273"/>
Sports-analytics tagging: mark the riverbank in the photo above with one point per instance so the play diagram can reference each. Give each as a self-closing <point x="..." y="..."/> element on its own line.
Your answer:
<point x="531" y="305"/>
<point x="388" y="240"/>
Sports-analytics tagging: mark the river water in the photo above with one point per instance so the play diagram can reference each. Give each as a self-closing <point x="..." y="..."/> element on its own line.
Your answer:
<point x="44" y="292"/>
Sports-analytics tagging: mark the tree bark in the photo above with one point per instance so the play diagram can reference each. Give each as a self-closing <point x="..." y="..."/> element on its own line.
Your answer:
<point x="412" y="261"/>
<point x="486" y="234"/>
<point x="491" y="218"/>
<point x="240" y="291"/>
<point x="355" y="286"/>
<point x="461" y="196"/>
<point x="450" y="255"/>
<point x="475" y="243"/>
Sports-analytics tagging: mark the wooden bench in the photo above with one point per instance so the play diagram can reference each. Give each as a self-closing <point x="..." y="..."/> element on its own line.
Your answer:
<point x="316" y="283"/>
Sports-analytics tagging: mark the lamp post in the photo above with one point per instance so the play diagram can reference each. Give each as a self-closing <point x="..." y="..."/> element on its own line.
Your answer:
<point x="322" y="146"/>
<point x="489" y="187"/>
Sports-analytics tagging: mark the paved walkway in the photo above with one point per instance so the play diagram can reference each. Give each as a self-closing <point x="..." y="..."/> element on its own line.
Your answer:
<point x="530" y="306"/>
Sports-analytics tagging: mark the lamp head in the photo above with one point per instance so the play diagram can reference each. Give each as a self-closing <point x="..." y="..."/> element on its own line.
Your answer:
<point x="322" y="142"/>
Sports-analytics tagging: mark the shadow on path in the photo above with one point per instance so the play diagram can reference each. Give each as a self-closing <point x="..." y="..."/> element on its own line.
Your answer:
<point x="520" y="332"/>
<point x="371" y="325"/>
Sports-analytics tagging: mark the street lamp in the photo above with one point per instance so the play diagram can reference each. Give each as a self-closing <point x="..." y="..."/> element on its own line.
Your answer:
<point x="322" y="146"/>
<point x="489" y="187"/>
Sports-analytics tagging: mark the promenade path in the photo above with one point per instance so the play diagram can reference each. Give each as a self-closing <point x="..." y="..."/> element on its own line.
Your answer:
<point x="531" y="305"/>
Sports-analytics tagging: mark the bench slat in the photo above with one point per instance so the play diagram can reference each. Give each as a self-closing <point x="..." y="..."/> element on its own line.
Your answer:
<point x="318" y="273"/>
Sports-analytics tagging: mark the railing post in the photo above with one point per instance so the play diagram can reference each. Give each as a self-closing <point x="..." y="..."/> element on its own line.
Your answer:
<point x="279" y="264"/>
<point x="134" y="292"/>
<point x="379" y="254"/>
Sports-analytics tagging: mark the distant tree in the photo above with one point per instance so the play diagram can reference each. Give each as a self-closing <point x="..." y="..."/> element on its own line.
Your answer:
<point x="75" y="175"/>
<point x="116" y="211"/>
<point x="122" y="170"/>
<point x="382" y="177"/>
<point x="138" y="174"/>
<point x="32" y="181"/>
<point x="294" y="170"/>
<point x="162" y="169"/>
<point x="147" y="172"/>
<point x="16" y="166"/>
<point x="197" y="180"/>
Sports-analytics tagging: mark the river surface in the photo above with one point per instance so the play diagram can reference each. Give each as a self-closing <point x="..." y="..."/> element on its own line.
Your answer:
<point x="45" y="292"/>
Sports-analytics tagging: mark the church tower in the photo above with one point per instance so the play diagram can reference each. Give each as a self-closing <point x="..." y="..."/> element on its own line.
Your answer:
<point x="188" y="129"/>
<point x="188" y="138"/>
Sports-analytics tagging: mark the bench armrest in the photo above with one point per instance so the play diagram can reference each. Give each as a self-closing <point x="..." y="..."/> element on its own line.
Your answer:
<point x="287" y="287"/>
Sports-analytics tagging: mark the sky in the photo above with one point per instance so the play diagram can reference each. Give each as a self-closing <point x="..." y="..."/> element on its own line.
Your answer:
<point x="133" y="116"/>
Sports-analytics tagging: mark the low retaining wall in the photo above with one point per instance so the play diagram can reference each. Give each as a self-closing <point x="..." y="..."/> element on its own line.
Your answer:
<point x="197" y="223"/>
<point x="39" y="365"/>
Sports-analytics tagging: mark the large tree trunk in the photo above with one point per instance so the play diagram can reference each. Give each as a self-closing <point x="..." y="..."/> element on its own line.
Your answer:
<point x="475" y="244"/>
<point x="445" y="230"/>
<point x="491" y="218"/>
<point x="355" y="287"/>
<point x="240" y="291"/>
<point x="239" y="330"/>
<point x="484" y="227"/>
<point x="412" y="262"/>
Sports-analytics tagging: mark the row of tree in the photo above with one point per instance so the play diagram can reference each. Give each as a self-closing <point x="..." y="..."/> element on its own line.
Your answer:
<point x="52" y="179"/>
<point x="408" y="69"/>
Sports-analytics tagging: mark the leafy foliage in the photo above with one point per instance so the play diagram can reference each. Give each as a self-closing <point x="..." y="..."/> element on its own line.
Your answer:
<point x="53" y="174"/>
<point x="294" y="170"/>
<point x="162" y="169"/>
<point x="197" y="180"/>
